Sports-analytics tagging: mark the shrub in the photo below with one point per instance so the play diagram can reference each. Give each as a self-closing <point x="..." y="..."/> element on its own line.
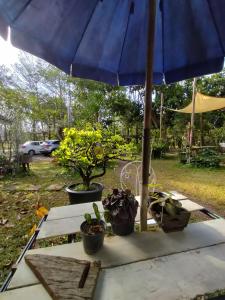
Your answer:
<point x="88" y="151"/>
<point x="206" y="158"/>
<point x="159" y="148"/>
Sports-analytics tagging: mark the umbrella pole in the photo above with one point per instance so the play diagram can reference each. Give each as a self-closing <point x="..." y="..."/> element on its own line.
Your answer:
<point x="161" y="116"/>
<point x="147" y="115"/>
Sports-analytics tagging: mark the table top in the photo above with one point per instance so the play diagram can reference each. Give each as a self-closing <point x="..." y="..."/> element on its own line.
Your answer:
<point x="132" y="248"/>
<point x="135" y="266"/>
<point x="202" y="271"/>
<point x="66" y="220"/>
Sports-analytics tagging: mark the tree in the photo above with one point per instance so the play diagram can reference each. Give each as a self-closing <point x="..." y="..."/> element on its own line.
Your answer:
<point x="88" y="151"/>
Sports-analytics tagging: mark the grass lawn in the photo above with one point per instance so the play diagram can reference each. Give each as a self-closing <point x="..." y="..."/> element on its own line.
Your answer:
<point x="205" y="186"/>
<point x="18" y="197"/>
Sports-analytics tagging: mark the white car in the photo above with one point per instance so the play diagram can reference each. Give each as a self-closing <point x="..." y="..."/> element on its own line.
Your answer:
<point x="49" y="146"/>
<point x="31" y="147"/>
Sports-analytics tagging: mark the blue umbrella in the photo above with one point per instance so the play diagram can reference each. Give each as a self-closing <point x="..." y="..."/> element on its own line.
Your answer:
<point x="114" y="41"/>
<point x="106" y="40"/>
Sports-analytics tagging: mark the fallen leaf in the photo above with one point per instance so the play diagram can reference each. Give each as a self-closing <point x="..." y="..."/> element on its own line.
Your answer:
<point x="32" y="231"/>
<point x="41" y="212"/>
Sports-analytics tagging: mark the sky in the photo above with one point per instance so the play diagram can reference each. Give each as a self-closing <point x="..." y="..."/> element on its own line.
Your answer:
<point x="8" y="53"/>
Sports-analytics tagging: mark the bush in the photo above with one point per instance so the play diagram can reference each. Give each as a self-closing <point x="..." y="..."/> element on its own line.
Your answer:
<point x="159" y="148"/>
<point x="206" y="158"/>
<point x="89" y="151"/>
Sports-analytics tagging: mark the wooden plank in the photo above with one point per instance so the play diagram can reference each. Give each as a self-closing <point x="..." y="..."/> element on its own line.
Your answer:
<point x="65" y="278"/>
<point x="135" y="247"/>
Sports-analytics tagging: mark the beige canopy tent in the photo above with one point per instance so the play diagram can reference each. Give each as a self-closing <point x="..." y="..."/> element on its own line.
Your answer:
<point x="203" y="103"/>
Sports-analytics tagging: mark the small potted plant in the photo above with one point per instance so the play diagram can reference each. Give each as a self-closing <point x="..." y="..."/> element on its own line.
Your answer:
<point x="93" y="231"/>
<point x="167" y="212"/>
<point x="88" y="152"/>
<point x="121" y="210"/>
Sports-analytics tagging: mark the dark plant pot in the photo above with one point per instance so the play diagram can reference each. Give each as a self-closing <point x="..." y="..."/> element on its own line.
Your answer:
<point x="77" y="197"/>
<point x="123" y="228"/>
<point x="92" y="243"/>
<point x="166" y="221"/>
<point x="171" y="224"/>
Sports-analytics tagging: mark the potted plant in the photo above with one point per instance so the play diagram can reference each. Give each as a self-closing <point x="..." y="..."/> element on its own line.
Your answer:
<point x="167" y="212"/>
<point x="93" y="231"/>
<point x="121" y="210"/>
<point x="88" y="152"/>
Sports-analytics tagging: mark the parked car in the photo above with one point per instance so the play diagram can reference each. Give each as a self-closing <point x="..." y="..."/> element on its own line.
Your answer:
<point x="31" y="147"/>
<point x="49" y="146"/>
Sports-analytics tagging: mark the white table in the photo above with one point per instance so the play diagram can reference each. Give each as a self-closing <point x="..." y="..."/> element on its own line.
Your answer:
<point x="149" y="265"/>
<point x="66" y="220"/>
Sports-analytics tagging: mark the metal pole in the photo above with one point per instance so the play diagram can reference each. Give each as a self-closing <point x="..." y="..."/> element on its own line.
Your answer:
<point x="161" y="112"/>
<point x="193" y="112"/>
<point x="147" y="115"/>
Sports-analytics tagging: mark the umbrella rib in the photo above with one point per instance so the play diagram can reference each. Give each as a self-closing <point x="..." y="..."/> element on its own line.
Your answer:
<point x="216" y="27"/>
<point x="22" y="10"/>
<point x="121" y="53"/>
<point x="85" y="29"/>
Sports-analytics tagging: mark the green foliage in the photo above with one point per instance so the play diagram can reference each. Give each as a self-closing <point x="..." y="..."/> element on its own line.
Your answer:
<point x="88" y="217"/>
<point x="82" y="187"/>
<point x="160" y="202"/>
<point x="107" y="216"/>
<point x="96" y="210"/>
<point x="88" y="151"/>
<point x="3" y="160"/>
<point x="206" y="158"/>
<point x="159" y="149"/>
<point x="218" y="134"/>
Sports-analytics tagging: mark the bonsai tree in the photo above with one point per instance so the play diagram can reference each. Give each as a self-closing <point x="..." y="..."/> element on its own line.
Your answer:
<point x="121" y="210"/>
<point x="89" y="150"/>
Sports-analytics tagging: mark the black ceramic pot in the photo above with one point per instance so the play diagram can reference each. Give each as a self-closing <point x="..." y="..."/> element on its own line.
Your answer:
<point x="77" y="197"/>
<point x="92" y="243"/>
<point x="123" y="228"/>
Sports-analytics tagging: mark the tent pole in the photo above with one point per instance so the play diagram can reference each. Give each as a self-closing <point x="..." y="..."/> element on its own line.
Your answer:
<point x="147" y="115"/>
<point x="193" y="112"/>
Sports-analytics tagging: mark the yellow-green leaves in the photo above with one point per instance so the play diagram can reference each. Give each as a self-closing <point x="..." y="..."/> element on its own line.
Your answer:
<point x="88" y="150"/>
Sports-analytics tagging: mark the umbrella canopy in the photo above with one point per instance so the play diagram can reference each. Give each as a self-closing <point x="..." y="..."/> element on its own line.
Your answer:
<point x="125" y="42"/>
<point x="106" y="40"/>
<point x="203" y="103"/>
